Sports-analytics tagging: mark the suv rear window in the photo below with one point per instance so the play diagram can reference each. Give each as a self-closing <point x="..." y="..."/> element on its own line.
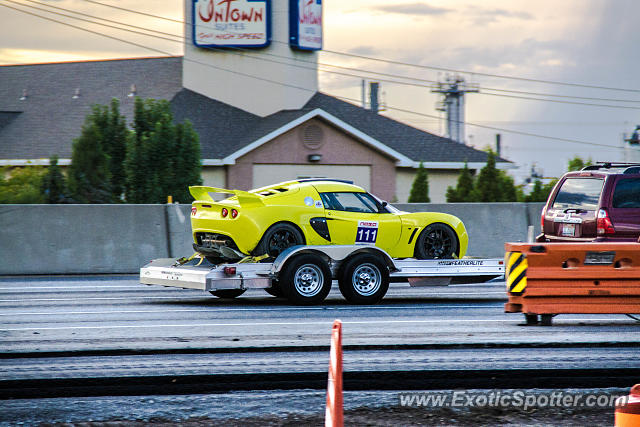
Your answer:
<point x="627" y="193"/>
<point x="579" y="193"/>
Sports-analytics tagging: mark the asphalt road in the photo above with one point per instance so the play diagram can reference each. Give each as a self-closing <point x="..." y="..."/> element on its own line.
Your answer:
<point x="108" y="313"/>
<point x="110" y="335"/>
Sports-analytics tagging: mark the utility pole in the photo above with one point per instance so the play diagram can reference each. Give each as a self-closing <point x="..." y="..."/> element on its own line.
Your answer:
<point x="453" y="89"/>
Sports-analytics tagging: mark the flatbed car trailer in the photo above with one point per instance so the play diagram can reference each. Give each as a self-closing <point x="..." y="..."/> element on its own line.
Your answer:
<point x="304" y="274"/>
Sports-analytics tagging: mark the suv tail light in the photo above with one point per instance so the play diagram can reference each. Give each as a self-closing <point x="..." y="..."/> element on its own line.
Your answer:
<point x="605" y="226"/>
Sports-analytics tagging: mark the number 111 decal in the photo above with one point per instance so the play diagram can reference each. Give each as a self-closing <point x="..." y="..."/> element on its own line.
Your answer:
<point x="367" y="232"/>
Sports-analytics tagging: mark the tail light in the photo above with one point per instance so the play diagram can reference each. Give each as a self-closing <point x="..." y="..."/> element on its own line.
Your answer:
<point x="544" y="212"/>
<point x="230" y="271"/>
<point x="234" y="213"/>
<point x="604" y="225"/>
<point x="224" y="212"/>
<point x="194" y="210"/>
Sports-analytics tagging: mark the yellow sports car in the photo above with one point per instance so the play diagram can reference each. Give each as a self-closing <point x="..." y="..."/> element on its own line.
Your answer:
<point x="317" y="212"/>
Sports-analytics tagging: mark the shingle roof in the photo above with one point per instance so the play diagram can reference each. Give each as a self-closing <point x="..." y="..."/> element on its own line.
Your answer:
<point x="49" y="119"/>
<point x="413" y="143"/>
<point x="222" y="128"/>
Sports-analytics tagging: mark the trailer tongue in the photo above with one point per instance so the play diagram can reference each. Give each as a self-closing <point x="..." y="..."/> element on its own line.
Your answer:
<point x="303" y="274"/>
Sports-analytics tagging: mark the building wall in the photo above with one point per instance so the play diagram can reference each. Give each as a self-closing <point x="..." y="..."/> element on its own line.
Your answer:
<point x="252" y="79"/>
<point x="214" y="176"/>
<point x="265" y="174"/>
<point x="336" y="148"/>
<point x="439" y="180"/>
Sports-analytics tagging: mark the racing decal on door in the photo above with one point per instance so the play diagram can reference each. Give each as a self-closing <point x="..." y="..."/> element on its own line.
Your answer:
<point x="367" y="232"/>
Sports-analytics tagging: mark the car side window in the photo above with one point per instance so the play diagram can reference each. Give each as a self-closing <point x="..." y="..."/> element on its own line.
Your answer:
<point x="349" y="202"/>
<point x="627" y="193"/>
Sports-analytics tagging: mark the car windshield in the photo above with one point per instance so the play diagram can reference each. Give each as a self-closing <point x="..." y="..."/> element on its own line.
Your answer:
<point x="390" y="208"/>
<point x="579" y="193"/>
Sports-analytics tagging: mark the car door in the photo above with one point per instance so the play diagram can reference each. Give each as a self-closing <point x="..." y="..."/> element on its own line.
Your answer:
<point x="625" y="207"/>
<point x="357" y="218"/>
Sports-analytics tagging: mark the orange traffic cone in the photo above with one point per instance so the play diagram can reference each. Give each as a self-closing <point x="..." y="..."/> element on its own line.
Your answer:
<point x="333" y="415"/>
<point x="628" y="409"/>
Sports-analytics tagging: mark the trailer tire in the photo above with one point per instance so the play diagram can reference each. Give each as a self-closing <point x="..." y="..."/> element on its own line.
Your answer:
<point x="364" y="279"/>
<point x="228" y="293"/>
<point x="305" y="279"/>
<point x="275" y="289"/>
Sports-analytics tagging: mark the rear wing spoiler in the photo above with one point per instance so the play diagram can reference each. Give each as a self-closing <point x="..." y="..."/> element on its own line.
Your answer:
<point x="201" y="193"/>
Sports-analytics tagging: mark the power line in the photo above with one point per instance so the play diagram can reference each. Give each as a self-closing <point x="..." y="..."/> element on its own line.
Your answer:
<point x="93" y="22"/>
<point x="389" y="61"/>
<point x="177" y="21"/>
<point x="298" y="87"/>
<point x="495" y="128"/>
<point x="182" y="38"/>
<point x="95" y="17"/>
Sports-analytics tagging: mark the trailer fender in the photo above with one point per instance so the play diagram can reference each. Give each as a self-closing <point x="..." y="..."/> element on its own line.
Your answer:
<point x="333" y="255"/>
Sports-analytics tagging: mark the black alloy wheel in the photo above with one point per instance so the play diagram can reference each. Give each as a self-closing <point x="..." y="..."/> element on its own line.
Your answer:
<point x="437" y="241"/>
<point x="278" y="238"/>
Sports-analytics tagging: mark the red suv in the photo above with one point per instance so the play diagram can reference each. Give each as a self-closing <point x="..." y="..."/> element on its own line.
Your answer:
<point x="600" y="202"/>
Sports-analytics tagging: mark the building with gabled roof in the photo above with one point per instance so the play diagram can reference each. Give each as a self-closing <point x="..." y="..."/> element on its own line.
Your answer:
<point x="259" y="121"/>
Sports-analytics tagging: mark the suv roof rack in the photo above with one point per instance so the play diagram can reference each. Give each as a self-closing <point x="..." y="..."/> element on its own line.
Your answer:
<point x="630" y="167"/>
<point x="345" y="181"/>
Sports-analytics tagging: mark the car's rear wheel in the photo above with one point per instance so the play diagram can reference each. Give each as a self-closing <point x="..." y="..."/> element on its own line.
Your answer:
<point x="305" y="279"/>
<point x="278" y="238"/>
<point x="228" y="293"/>
<point x="437" y="241"/>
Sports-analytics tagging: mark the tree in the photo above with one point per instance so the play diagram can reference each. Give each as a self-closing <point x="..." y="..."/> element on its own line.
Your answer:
<point x="115" y="142"/>
<point x="188" y="166"/>
<point x="163" y="158"/>
<point x="577" y="164"/>
<point x="22" y="186"/>
<point x="54" y="187"/>
<point x="89" y="174"/>
<point x="540" y="192"/>
<point x="489" y="184"/>
<point x="463" y="191"/>
<point x="420" y="188"/>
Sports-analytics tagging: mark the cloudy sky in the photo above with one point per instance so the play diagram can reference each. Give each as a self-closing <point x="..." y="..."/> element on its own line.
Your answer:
<point x="580" y="42"/>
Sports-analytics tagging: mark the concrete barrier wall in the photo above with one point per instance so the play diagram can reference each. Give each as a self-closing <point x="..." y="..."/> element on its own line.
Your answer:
<point x="86" y="239"/>
<point x="489" y="225"/>
<point x="67" y="239"/>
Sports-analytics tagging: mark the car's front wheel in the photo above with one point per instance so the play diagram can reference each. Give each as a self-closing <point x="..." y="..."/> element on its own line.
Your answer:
<point x="437" y="241"/>
<point x="278" y="238"/>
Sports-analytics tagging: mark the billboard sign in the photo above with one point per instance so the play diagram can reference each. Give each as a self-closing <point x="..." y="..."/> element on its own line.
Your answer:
<point x="305" y="24"/>
<point x="231" y="23"/>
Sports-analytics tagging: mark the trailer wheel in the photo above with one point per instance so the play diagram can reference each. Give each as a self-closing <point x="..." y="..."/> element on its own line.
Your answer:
<point x="275" y="289"/>
<point x="364" y="279"/>
<point x="228" y="293"/>
<point x="305" y="280"/>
